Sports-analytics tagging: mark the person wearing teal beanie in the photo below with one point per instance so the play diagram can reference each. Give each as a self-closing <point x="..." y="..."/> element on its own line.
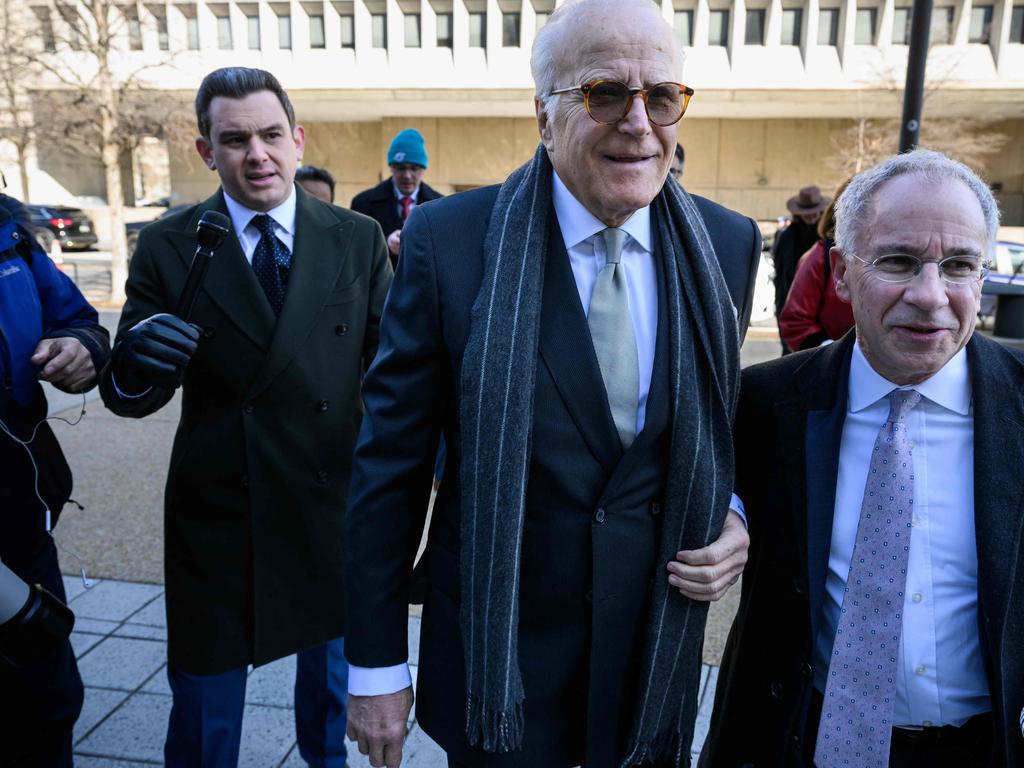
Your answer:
<point x="408" y="147"/>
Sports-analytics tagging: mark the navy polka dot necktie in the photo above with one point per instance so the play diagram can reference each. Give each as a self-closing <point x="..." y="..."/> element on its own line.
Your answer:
<point x="856" y="718"/>
<point x="271" y="261"/>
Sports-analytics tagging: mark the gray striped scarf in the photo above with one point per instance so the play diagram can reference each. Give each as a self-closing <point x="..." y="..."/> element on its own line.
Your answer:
<point x="498" y="371"/>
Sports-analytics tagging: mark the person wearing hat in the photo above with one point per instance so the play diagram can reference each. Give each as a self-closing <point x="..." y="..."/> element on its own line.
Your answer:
<point x="794" y="241"/>
<point x="391" y="201"/>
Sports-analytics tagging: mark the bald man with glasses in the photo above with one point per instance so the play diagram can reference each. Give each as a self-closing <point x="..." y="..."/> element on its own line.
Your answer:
<point x="574" y="333"/>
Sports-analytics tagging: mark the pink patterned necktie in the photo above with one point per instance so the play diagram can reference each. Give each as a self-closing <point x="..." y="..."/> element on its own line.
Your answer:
<point x="856" y="719"/>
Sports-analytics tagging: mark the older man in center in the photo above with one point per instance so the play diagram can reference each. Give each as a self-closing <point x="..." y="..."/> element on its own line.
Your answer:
<point x="575" y="334"/>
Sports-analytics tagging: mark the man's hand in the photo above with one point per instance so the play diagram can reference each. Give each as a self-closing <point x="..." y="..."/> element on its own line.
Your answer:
<point x="707" y="573"/>
<point x="154" y="353"/>
<point x="395" y="241"/>
<point x="65" y="363"/>
<point x="379" y="725"/>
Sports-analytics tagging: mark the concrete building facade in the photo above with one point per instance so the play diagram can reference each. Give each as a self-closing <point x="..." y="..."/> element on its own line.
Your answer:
<point x="778" y="83"/>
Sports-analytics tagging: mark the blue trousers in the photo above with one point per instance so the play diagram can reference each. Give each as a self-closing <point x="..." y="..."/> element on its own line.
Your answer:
<point x="205" y="729"/>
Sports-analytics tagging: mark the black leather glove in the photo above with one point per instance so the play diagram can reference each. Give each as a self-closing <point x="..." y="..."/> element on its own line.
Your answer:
<point x="154" y="353"/>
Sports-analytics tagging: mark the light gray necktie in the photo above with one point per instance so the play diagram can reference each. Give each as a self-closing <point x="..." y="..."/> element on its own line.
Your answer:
<point x="856" y="718"/>
<point x="611" y="328"/>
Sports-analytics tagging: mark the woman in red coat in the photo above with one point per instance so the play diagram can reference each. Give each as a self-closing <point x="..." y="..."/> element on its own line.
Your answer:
<point x="813" y="314"/>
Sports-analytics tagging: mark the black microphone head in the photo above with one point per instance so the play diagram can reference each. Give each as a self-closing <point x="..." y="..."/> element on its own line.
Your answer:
<point x="213" y="227"/>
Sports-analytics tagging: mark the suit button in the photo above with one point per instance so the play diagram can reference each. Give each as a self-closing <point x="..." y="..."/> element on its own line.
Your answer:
<point x="248" y="408"/>
<point x="322" y="406"/>
<point x="321" y="477"/>
<point x="798" y="588"/>
<point x="796" y="741"/>
<point x="599" y="515"/>
<point x="655" y="509"/>
<point x="806" y="669"/>
<point x="15" y="236"/>
<point x="209" y="333"/>
<point x="776" y="690"/>
<point x="341" y="330"/>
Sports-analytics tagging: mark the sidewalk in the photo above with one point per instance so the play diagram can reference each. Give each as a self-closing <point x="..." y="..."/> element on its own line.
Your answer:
<point x="120" y="641"/>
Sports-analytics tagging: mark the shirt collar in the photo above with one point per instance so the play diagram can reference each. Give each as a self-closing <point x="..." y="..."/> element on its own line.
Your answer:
<point x="283" y="215"/>
<point x="579" y="224"/>
<point x="398" y="193"/>
<point x="950" y="387"/>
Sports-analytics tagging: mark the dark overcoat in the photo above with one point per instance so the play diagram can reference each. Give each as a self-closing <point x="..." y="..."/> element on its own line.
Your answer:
<point x="256" y="489"/>
<point x="788" y="433"/>
<point x="380" y="203"/>
<point x="592" y="513"/>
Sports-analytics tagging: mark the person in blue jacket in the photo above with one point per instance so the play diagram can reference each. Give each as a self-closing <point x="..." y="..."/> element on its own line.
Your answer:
<point x="48" y="332"/>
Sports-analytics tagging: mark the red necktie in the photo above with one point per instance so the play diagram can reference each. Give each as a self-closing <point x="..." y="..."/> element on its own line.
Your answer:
<point x="406" y="205"/>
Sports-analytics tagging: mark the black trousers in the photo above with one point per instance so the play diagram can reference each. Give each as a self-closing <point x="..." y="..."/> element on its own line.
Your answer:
<point x="969" y="746"/>
<point x="41" y="701"/>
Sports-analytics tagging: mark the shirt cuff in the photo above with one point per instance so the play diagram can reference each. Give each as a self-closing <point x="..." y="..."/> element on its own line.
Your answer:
<point x="125" y="395"/>
<point x="736" y="505"/>
<point x="378" y="681"/>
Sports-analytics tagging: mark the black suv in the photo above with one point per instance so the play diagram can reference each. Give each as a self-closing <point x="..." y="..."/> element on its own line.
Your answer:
<point x="69" y="226"/>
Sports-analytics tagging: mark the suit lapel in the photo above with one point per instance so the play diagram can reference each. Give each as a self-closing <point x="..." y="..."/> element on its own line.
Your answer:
<point x="321" y="248"/>
<point x="568" y="352"/>
<point x="230" y="282"/>
<point x="998" y="481"/>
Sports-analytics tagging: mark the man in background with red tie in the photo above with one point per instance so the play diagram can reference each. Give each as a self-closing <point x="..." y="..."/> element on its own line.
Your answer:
<point x="391" y="201"/>
<point x="879" y="625"/>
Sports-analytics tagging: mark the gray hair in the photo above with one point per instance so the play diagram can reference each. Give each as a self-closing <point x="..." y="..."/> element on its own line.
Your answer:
<point x="237" y="83"/>
<point x="548" y="54"/>
<point x="856" y="204"/>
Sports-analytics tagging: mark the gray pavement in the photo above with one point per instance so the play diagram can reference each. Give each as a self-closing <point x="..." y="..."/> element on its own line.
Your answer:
<point x="120" y="467"/>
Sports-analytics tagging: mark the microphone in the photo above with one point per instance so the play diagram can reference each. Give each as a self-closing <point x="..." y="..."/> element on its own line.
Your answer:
<point x="213" y="227"/>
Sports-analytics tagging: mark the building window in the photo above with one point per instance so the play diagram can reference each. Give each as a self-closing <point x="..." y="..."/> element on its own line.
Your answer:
<point x="131" y="15"/>
<point x="162" y="37"/>
<point x="192" y="32"/>
<point x="510" y="30"/>
<point x="755" y="27"/>
<point x="444" y="30"/>
<point x="1017" y="24"/>
<point x="718" y="27"/>
<point x="941" y="32"/>
<point x="901" y="26"/>
<point x="864" y="32"/>
<point x="45" y="28"/>
<point x="981" y="24"/>
<point x="542" y="19"/>
<point x="224" y="41"/>
<point x="379" y="30"/>
<point x="72" y="21"/>
<point x="477" y="30"/>
<point x="252" y="32"/>
<point x="828" y="26"/>
<point x="284" y="32"/>
<point x="412" y="30"/>
<point x="348" y="32"/>
<point x="792" y="25"/>
<point x="316" y="32"/>
<point x="682" y="27"/>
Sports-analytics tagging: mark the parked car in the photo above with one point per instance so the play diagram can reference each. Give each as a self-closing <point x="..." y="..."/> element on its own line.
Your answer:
<point x="1008" y="268"/>
<point x="132" y="230"/>
<point x="71" y="227"/>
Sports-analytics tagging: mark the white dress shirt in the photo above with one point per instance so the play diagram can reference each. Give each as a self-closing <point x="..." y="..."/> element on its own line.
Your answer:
<point x="581" y="232"/>
<point x="247" y="233"/>
<point x="940" y="670"/>
<point x="399" y="194"/>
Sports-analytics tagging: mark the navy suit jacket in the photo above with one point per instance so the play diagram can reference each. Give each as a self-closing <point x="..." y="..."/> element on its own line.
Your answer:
<point x="788" y="432"/>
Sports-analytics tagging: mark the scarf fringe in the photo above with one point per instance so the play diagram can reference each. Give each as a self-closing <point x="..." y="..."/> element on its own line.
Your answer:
<point x="494" y="730"/>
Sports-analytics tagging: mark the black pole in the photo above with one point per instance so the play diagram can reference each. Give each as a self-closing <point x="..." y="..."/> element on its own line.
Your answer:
<point x="913" y="94"/>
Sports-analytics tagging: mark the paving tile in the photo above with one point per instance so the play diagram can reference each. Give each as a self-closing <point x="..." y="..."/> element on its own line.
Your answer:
<point x="122" y="663"/>
<point x="115" y="600"/>
<point x="73" y="586"/>
<point x="82" y="642"/>
<point x="158" y="683"/>
<point x="136" y="731"/>
<point x="153" y="613"/>
<point x="141" y="631"/>
<point x="704" y="668"/>
<point x="700" y="728"/>
<point x="98" y="704"/>
<point x="95" y="626"/>
<point x="87" y="761"/>
<point x="268" y="733"/>
<point x="421" y="751"/>
<point x="414" y="640"/>
<point x="272" y="684"/>
<point x="294" y="760"/>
